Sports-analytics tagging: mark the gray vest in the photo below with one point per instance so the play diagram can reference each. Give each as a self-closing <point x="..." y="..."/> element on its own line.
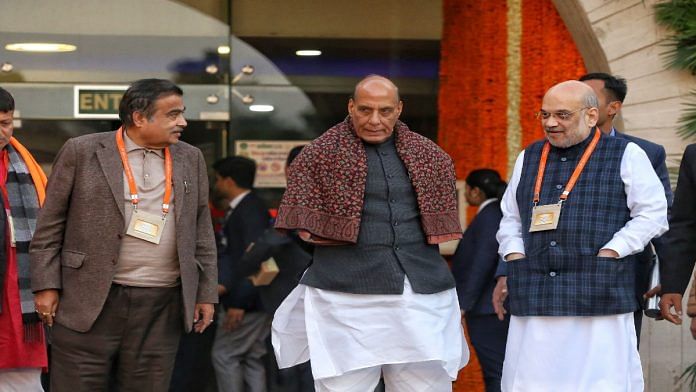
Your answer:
<point x="391" y="242"/>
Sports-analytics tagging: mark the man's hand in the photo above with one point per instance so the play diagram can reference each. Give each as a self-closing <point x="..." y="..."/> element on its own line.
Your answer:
<point x="203" y="317"/>
<point x="667" y="302"/>
<point x="46" y="304"/>
<point x="500" y="292"/>
<point x="608" y="253"/>
<point x="234" y="318"/>
<point x="221" y="290"/>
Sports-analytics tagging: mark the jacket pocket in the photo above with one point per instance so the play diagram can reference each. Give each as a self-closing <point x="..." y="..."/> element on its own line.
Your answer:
<point x="72" y="259"/>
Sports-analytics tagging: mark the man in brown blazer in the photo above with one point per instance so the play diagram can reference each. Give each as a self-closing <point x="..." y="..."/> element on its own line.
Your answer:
<point x="124" y="248"/>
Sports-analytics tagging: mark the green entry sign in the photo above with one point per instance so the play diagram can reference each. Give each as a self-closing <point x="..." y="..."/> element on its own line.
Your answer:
<point x="98" y="101"/>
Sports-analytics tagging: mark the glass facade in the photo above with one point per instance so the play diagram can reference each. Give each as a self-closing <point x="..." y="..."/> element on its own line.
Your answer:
<point x="231" y="57"/>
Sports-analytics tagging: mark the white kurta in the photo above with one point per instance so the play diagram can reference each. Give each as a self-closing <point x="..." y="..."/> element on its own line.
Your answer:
<point x="345" y="332"/>
<point x="583" y="353"/>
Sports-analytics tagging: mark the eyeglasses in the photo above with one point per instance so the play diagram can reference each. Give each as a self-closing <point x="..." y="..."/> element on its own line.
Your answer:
<point x="562" y="115"/>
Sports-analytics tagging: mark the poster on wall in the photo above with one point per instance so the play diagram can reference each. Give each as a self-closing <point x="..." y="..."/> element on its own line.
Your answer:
<point x="270" y="156"/>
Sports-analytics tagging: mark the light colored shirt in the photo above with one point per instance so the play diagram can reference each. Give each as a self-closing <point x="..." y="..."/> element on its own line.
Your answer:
<point x="142" y="263"/>
<point x="645" y="198"/>
<point x="485" y="203"/>
<point x="238" y="199"/>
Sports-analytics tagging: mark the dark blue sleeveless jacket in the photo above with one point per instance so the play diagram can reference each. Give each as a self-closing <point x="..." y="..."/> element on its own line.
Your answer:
<point x="561" y="274"/>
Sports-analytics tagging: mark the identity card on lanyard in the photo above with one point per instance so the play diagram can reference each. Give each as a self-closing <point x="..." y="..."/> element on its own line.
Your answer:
<point x="144" y="225"/>
<point x="546" y="217"/>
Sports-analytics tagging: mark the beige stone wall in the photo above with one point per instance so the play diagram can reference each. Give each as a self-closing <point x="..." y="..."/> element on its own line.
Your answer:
<point x="632" y="43"/>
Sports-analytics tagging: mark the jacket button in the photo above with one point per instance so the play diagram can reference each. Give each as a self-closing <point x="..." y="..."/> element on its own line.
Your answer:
<point x="553" y="243"/>
<point x="552" y="274"/>
<point x="563" y="159"/>
<point x="559" y="186"/>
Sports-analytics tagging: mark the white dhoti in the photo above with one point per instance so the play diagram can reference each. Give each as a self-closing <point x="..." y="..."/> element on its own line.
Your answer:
<point x="578" y="354"/>
<point x="345" y="332"/>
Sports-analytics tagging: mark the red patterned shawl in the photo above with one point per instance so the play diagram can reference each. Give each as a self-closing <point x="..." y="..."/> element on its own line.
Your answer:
<point x="326" y="186"/>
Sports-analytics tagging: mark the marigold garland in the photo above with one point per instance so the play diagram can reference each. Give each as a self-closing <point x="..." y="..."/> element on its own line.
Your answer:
<point x="549" y="56"/>
<point x="490" y="88"/>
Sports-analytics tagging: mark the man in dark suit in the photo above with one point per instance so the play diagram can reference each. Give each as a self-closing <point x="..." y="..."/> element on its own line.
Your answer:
<point x="611" y="92"/>
<point x="680" y="242"/>
<point x="240" y="340"/>
<point x="124" y="247"/>
<point x="474" y="265"/>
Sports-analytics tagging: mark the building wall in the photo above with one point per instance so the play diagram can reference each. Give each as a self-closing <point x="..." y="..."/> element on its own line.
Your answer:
<point x="632" y="43"/>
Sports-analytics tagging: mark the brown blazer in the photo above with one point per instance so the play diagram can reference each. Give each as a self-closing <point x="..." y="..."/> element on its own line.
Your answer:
<point x="79" y="230"/>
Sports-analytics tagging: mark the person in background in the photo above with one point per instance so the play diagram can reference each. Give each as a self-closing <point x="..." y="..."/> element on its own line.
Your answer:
<point x="243" y="325"/>
<point x="292" y="256"/>
<point x="22" y="341"/>
<point x="473" y="266"/>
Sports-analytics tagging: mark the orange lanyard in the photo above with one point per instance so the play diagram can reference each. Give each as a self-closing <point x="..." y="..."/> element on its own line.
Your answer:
<point x="133" y="188"/>
<point x="576" y="174"/>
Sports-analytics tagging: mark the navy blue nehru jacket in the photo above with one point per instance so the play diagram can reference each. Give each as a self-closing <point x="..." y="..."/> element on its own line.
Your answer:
<point x="561" y="274"/>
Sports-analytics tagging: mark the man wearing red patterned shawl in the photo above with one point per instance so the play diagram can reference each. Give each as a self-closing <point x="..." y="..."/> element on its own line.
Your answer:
<point x="378" y="300"/>
<point x="22" y="182"/>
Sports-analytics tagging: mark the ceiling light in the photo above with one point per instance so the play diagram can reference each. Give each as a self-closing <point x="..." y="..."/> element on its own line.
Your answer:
<point x="308" y="52"/>
<point x="212" y="69"/>
<point x="261" y="108"/>
<point x="45" y="47"/>
<point x="212" y="99"/>
<point x="223" y="49"/>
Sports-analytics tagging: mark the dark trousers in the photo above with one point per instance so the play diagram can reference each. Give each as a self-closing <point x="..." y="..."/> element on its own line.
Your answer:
<point x="137" y="332"/>
<point x="489" y="336"/>
<point x="193" y="369"/>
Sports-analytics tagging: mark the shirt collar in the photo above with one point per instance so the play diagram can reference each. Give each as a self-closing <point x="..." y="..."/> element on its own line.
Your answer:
<point x="485" y="203"/>
<point x="613" y="132"/>
<point x="235" y="202"/>
<point x="131" y="146"/>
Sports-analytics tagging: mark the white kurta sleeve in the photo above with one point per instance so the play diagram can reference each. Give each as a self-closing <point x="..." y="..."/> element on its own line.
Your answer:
<point x="509" y="234"/>
<point x="645" y="197"/>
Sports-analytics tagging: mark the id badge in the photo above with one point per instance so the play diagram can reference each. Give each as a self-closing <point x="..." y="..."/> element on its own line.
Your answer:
<point x="545" y="217"/>
<point x="146" y="226"/>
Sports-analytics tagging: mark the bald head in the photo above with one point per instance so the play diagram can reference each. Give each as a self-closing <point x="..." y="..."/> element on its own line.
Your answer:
<point x="573" y="88"/>
<point x="568" y="113"/>
<point x="373" y="82"/>
<point x="375" y="108"/>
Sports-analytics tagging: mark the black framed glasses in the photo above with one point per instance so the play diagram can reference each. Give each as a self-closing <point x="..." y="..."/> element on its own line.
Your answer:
<point x="561" y="115"/>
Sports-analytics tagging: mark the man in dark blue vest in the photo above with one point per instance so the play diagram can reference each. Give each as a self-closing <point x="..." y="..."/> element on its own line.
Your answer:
<point x="611" y="91"/>
<point x="579" y="207"/>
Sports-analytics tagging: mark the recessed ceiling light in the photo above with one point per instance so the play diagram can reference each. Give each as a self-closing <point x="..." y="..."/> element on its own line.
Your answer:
<point x="308" y="52"/>
<point x="212" y="69"/>
<point x="261" y="108"/>
<point x="223" y="49"/>
<point x="42" y="47"/>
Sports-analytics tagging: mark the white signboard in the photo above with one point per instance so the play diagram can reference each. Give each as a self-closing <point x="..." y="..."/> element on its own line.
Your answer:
<point x="270" y="156"/>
